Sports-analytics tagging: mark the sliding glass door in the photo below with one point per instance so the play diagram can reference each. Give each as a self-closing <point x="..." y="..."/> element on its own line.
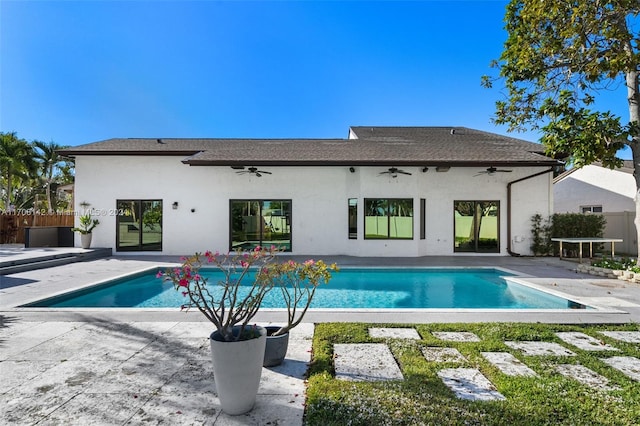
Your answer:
<point x="139" y="225"/>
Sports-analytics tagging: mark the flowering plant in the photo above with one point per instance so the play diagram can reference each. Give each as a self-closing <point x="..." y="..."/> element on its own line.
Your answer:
<point x="297" y="283"/>
<point x="231" y="305"/>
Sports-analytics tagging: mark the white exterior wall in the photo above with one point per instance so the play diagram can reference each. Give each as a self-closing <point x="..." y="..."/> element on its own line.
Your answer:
<point x="614" y="190"/>
<point x="319" y="202"/>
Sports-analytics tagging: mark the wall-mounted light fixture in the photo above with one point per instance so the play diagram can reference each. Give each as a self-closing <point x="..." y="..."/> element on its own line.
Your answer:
<point x="442" y="169"/>
<point x="425" y="169"/>
<point x="352" y="169"/>
<point x="174" y="205"/>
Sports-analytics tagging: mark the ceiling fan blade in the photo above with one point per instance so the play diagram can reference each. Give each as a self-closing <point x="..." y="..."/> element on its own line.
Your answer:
<point x="403" y="172"/>
<point x="265" y="172"/>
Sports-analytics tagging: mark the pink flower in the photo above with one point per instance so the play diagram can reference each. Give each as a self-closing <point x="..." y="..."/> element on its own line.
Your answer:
<point x="160" y="274"/>
<point x="258" y="248"/>
<point x="244" y="264"/>
<point x="184" y="293"/>
<point x="184" y="282"/>
<point x="196" y="277"/>
<point x="309" y="262"/>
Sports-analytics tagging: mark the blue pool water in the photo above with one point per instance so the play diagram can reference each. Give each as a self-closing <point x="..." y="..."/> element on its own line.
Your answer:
<point x="349" y="288"/>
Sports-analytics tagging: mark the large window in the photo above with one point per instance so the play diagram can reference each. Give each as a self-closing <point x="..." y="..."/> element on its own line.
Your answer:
<point x="476" y="226"/>
<point x="260" y="223"/>
<point x="390" y="218"/>
<point x="139" y="225"/>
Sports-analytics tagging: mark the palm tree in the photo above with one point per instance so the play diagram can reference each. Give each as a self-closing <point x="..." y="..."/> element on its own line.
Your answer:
<point x="16" y="162"/>
<point x="50" y="163"/>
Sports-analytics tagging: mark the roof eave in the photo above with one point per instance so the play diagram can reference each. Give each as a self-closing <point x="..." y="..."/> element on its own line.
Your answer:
<point x="384" y="163"/>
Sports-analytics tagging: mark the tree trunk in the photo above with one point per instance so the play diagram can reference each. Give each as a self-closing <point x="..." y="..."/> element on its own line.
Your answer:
<point x="633" y="97"/>
<point x="48" y="194"/>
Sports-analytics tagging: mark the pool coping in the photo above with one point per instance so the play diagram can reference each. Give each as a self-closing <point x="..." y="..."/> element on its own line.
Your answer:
<point x="516" y="276"/>
<point x="550" y="273"/>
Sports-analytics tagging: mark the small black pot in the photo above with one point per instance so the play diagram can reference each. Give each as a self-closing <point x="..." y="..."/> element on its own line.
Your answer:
<point x="276" y="348"/>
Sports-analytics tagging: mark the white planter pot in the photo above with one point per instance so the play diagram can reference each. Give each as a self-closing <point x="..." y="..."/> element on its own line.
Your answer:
<point x="237" y="367"/>
<point x="85" y="240"/>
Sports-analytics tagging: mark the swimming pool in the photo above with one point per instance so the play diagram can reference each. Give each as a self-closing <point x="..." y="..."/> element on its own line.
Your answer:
<point x="353" y="288"/>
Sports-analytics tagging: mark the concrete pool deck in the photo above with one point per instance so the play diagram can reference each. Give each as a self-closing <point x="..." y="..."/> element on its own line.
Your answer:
<point x="134" y="366"/>
<point x="619" y="300"/>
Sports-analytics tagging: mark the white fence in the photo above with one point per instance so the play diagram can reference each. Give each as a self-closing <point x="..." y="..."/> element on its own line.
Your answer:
<point x="620" y="225"/>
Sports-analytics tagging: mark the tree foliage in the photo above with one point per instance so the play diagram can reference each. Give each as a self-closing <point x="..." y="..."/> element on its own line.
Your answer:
<point x="558" y="58"/>
<point x="30" y="169"/>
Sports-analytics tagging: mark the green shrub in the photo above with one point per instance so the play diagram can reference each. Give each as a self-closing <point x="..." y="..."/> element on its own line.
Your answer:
<point x="563" y="225"/>
<point x="541" y="231"/>
<point x="623" y="264"/>
<point x="577" y="225"/>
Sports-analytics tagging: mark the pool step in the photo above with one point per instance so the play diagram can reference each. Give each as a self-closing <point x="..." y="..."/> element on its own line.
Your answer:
<point x="28" y="261"/>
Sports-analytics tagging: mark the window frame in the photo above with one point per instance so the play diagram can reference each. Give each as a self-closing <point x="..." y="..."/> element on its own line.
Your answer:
<point x="477" y="227"/>
<point x="261" y="202"/>
<point x="389" y="203"/>
<point x="140" y="247"/>
<point x="591" y="209"/>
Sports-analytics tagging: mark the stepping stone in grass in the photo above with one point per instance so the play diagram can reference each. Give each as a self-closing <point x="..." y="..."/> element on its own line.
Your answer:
<point x="370" y="362"/>
<point x="540" y="348"/>
<point x="508" y="364"/>
<point x="456" y="336"/>
<point x="584" y="341"/>
<point x="470" y="384"/>
<point x="585" y="375"/>
<point x="628" y="365"/>
<point x="623" y="336"/>
<point x="394" y="333"/>
<point x="436" y="354"/>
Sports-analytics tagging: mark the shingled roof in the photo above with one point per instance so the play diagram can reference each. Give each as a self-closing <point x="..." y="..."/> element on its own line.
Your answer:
<point x="401" y="146"/>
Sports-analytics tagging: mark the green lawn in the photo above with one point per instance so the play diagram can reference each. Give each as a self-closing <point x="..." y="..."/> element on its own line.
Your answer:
<point x="422" y="398"/>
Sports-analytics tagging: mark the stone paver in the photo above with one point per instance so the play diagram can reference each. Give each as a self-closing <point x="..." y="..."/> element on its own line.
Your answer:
<point x="623" y="336"/>
<point x="628" y="365"/>
<point x="456" y="336"/>
<point x="585" y="376"/>
<point x="540" y="348"/>
<point x="166" y="379"/>
<point x="394" y="333"/>
<point x="508" y="364"/>
<point x="584" y="341"/>
<point x="365" y="362"/>
<point x="437" y="354"/>
<point x="469" y="384"/>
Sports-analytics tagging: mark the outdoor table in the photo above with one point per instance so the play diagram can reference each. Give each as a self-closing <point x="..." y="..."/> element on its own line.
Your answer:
<point x="580" y="241"/>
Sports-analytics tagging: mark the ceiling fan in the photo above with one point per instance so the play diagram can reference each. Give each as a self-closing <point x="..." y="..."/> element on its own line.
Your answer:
<point x="253" y="170"/>
<point x="492" y="170"/>
<point x="393" y="171"/>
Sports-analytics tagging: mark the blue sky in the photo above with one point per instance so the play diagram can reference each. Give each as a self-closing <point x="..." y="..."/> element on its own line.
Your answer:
<point x="81" y="71"/>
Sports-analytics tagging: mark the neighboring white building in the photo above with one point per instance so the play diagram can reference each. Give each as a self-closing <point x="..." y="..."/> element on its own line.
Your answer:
<point x="595" y="189"/>
<point x="384" y="191"/>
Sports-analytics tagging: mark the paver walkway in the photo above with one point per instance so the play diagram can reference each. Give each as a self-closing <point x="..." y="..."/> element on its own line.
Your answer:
<point x="470" y="383"/>
<point x="99" y="373"/>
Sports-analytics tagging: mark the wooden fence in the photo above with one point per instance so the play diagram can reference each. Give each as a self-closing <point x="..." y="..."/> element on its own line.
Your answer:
<point x="12" y="224"/>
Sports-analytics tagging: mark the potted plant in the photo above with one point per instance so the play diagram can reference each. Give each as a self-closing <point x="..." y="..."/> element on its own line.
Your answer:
<point x="297" y="284"/>
<point x="87" y="224"/>
<point x="237" y="347"/>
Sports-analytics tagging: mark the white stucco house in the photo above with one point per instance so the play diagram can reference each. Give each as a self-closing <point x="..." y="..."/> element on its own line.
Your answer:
<point x="595" y="189"/>
<point x="383" y="191"/>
